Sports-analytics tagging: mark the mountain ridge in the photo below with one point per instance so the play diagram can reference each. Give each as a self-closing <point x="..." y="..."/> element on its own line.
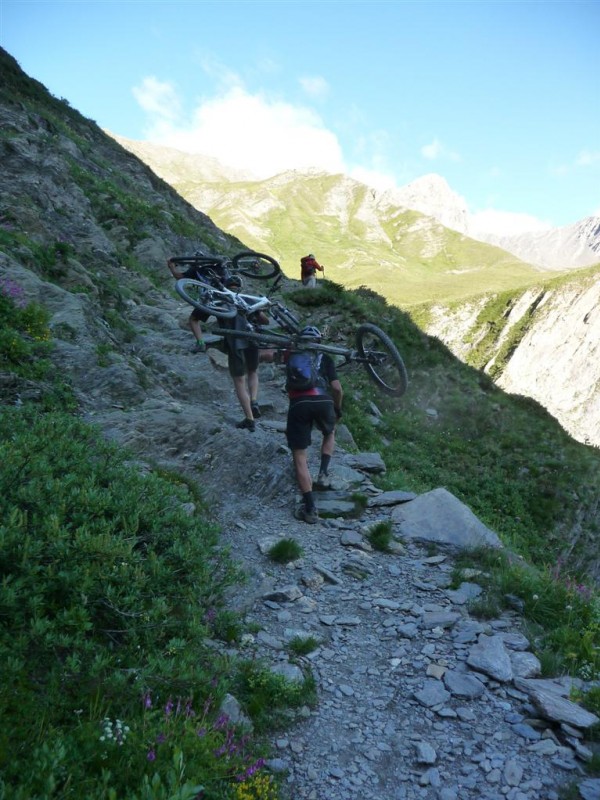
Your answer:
<point x="567" y="247"/>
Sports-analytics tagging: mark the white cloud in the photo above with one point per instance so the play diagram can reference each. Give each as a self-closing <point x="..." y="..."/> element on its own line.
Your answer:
<point x="315" y="87"/>
<point x="242" y="130"/>
<point x="436" y="150"/>
<point x="223" y="77"/>
<point x="158" y="98"/>
<point x="587" y="157"/>
<point x="505" y="223"/>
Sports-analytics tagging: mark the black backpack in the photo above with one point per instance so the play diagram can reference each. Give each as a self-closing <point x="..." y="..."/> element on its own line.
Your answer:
<point x="303" y="371"/>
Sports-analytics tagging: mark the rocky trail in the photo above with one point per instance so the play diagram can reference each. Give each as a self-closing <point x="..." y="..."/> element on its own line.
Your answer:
<point x="416" y="699"/>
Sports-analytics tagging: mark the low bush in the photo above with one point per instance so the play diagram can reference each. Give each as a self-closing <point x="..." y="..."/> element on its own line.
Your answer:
<point x="109" y="593"/>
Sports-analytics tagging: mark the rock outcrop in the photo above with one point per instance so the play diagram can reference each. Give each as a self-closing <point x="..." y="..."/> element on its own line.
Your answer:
<point x="547" y="347"/>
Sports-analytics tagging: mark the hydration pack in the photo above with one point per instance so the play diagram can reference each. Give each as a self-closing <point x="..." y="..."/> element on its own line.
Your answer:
<point x="302" y="371"/>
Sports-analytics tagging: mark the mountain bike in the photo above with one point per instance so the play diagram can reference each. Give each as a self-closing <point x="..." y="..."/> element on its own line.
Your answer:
<point x="247" y="263"/>
<point x="374" y="348"/>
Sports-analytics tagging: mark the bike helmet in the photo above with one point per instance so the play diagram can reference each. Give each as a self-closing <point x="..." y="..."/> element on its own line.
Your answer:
<point x="310" y="332"/>
<point x="311" y="255"/>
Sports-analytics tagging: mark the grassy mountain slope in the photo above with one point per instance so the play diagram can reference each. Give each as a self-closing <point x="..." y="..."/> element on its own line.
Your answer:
<point x="405" y="256"/>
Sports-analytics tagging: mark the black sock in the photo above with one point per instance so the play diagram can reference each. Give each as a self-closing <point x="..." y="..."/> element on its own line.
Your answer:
<point x="309" y="501"/>
<point x="325" y="459"/>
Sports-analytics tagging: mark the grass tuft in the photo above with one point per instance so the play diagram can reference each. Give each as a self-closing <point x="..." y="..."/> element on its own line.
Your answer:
<point x="285" y="551"/>
<point x="380" y="536"/>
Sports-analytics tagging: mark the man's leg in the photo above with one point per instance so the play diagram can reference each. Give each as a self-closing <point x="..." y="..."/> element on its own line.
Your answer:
<point x="241" y="390"/>
<point x="298" y="438"/>
<point x="302" y="472"/>
<point x="327" y="448"/>
<point x="253" y="392"/>
<point x="237" y="370"/>
<point x="196" y="329"/>
<point x="307" y="511"/>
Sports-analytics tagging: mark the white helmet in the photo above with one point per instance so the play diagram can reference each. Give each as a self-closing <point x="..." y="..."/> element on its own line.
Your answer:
<point x="310" y="332"/>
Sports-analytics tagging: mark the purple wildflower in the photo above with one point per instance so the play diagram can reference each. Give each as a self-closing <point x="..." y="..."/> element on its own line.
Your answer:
<point x="221" y="721"/>
<point x="151" y="755"/>
<point x="251" y="770"/>
<point x="12" y="290"/>
<point x="189" y="711"/>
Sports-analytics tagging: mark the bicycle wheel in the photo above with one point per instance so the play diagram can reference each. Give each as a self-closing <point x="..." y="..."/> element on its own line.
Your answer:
<point x="206" y="298"/>
<point x="382" y="360"/>
<point x="256" y="265"/>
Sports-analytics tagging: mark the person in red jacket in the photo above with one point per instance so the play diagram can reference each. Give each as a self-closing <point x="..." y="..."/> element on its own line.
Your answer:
<point x="308" y="271"/>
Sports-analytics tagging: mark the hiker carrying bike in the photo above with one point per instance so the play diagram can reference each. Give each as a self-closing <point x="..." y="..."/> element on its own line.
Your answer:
<point x="308" y="271"/>
<point x="242" y="359"/>
<point x="315" y="395"/>
<point x="204" y="270"/>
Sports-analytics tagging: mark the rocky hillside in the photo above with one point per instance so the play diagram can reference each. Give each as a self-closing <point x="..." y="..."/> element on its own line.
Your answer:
<point x="543" y="342"/>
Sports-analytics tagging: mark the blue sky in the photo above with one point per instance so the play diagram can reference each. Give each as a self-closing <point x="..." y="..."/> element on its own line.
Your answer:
<point x="500" y="98"/>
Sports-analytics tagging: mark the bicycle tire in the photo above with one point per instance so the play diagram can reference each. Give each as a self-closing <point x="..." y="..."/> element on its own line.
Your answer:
<point x="382" y="361"/>
<point x="205" y="298"/>
<point x="255" y="265"/>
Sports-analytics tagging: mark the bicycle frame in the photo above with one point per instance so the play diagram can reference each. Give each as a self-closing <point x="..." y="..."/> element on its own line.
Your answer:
<point x="276" y="341"/>
<point x="246" y="304"/>
<point x="374" y="349"/>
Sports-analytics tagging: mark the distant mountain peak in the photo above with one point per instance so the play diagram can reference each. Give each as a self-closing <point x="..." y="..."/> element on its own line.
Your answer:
<point x="576" y="245"/>
<point x="431" y="195"/>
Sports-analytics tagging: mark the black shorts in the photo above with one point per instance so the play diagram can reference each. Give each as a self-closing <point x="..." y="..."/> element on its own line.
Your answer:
<point x="200" y="316"/>
<point x="241" y="362"/>
<point x="303" y="413"/>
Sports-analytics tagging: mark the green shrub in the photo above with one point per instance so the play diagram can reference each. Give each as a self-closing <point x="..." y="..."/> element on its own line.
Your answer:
<point x="108" y="592"/>
<point x="24" y="331"/>
<point x="268" y="695"/>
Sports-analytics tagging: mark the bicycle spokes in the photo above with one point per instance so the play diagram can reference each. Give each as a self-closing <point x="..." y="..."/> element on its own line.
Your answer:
<point x="381" y="359"/>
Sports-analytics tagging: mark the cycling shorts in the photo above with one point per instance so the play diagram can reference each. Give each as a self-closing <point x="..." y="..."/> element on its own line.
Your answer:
<point x="241" y="362"/>
<point x="200" y="316"/>
<point x="303" y="413"/>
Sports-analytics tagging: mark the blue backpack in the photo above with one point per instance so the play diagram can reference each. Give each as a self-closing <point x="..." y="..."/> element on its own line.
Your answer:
<point x="303" y="371"/>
